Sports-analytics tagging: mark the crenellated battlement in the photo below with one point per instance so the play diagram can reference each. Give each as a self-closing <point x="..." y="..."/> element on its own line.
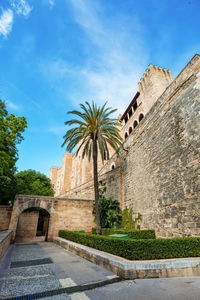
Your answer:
<point x="154" y="74"/>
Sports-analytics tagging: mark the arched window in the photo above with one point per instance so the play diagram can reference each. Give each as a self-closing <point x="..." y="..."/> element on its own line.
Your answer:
<point x="130" y="130"/>
<point x="141" y="116"/>
<point x="135" y="124"/>
<point x="126" y="135"/>
<point x="113" y="166"/>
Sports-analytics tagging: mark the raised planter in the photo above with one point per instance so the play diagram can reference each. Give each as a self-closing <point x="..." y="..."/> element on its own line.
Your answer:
<point x="5" y="240"/>
<point x="127" y="269"/>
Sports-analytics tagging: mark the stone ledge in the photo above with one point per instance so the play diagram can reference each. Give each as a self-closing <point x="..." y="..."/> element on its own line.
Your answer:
<point x="162" y="268"/>
<point x="5" y="239"/>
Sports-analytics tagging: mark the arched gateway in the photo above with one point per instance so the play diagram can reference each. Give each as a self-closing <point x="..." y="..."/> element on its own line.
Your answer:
<point x="70" y="214"/>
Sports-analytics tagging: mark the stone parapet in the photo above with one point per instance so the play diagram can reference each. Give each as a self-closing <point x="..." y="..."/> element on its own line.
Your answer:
<point x="5" y="240"/>
<point x="5" y="215"/>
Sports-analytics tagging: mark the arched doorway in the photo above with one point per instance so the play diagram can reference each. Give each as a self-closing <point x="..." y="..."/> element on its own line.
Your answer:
<point x="26" y="202"/>
<point x="33" y="224"/>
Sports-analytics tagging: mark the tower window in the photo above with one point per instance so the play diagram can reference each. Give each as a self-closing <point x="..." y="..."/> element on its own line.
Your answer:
<point x="135" y="124"/>
<point x="135" y="105"/>
<point x="141" y="116"/>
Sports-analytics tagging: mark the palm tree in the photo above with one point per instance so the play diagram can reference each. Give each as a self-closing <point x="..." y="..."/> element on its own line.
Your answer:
<point x="93" y="132"/>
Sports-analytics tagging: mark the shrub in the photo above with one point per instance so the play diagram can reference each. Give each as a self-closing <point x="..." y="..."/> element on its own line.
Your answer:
<point x="138" y="249"/>
<point x="133" y="234"/>
<point x="128" y="222"/>
<point x="110" y="213"/>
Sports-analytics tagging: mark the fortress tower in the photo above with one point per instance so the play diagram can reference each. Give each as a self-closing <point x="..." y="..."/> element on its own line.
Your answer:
<point x="151" y="86"/>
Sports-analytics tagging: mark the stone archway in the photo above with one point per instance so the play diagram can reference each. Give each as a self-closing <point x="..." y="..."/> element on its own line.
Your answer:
<point x="22" y="203"/>
<point x="70" y="214"/>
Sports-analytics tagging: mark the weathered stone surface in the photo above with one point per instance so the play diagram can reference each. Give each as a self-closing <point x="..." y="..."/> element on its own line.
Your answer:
<point x="27" y="224"/>
<point x="5" y="215"/>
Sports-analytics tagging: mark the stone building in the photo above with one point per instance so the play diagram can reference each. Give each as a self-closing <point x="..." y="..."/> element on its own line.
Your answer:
<point x="157" y="174"/>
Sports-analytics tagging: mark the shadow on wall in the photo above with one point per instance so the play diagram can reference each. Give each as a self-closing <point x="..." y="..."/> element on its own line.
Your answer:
<point x="33" y="222"/>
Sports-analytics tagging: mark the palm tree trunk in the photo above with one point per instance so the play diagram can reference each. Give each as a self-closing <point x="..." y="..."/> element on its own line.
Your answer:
<point x="96" y="186"/>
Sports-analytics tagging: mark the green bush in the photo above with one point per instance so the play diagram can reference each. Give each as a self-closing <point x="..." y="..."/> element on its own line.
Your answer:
<point x="138" y="249"/>
<point x="110" y="212"/>
<point x="133" y="234"/>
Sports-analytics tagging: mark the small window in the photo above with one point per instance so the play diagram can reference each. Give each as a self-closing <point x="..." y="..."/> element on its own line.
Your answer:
<point x="135" y="106"/>
<point x="135" y="124"/>
<point x="126" y="119"/>
<point x="113" y="166"/>
<point x="130" y="130"/>
<point x="130" y="113"/>
<point x="126" y="135"/>
<point x="141" y="116"/>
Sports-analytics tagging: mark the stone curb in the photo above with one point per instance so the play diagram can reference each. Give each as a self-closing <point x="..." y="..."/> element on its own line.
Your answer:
<point x="162" y="268"/>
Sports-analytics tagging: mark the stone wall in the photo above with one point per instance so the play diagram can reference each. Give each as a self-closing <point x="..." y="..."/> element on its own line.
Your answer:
<point x="161" y="168"/>
<point x="70" y="214"/>
<point x="5" y="215"/>
<point x="113" y="180"/>
<point x="27" y="224"/>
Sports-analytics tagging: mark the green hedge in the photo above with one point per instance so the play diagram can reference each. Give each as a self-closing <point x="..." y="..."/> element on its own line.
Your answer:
<point x="137" y="249"/>
<point x="133" y="234"/>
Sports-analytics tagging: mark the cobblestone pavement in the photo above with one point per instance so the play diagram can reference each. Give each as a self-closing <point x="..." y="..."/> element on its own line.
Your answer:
<point x="46" y="271"/>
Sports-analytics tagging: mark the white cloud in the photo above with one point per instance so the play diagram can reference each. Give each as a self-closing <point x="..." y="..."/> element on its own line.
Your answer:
<point x="12" y="105"/>
<point x="112" y="73"/>
<point x="21" y="7"/>
<point x="51" y="3"/>
<point x="6" y="21"/>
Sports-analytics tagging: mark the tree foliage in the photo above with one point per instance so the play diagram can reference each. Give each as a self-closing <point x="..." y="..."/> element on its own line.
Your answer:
<point x="94" y="131"/>
<point x="30" y="182"/>
<point x="110" y="212"/>
<point x="11" y="129"/>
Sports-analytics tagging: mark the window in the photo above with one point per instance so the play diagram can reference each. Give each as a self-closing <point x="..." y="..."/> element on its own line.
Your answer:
<point x="126" y="135"/>
<point x="130" y="130"/>
<point x="135" y="124"/>
<point x="113" y="166"/>
<point x="141" y="116"/>
<point x="126" y="119"/>
<point x="130" y="113"/>
<point x="135" y="106"/>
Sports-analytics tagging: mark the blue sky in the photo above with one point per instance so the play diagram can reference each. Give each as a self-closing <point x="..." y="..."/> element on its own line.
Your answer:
<point x="55" y="54"/>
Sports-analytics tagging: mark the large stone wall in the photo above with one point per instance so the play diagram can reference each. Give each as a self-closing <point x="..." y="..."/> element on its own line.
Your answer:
<point x="5" y="215"/>
<point x="157" y="174"/>
<point x="161" y="168"/>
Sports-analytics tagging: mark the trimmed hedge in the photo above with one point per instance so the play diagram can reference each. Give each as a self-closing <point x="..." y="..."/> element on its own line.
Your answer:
<point x="133" y="234"/>
<point x="138" y="249"/>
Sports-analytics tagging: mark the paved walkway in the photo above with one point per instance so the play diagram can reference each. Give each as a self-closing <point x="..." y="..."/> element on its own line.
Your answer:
<point x="46" y="271"/>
